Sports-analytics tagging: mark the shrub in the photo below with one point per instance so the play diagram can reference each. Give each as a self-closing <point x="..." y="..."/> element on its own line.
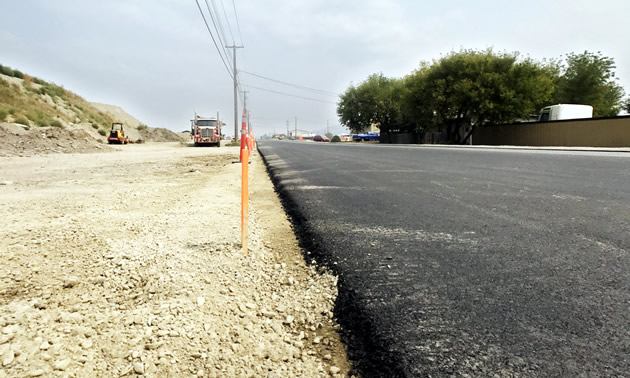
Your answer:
<point x="142" y="126"/>
<point x="22" y="121"/>
<point x="40" y="118"/>
<point x="6" y="70"/>
<point x="39" y="81"/>
<point x="94" y="126"/>
<point x="18" y="74"/>
<point x="28" y="86"/>
<point x="3" y="115"/>
<point x="52" y="90"/>
<point x="56" y="123"/>
<point x="102" y="132"/>
<point x="335" y="139"/>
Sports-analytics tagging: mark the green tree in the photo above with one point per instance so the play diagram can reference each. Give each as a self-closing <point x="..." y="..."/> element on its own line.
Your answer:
<point x="377" y="100"/>
<point x="626" y="105"/>
<point x="473" y="89"/>
<point x="589" y="79"/>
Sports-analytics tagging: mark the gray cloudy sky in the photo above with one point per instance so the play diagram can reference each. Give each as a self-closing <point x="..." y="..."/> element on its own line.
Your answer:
<point x="155" y="58"/>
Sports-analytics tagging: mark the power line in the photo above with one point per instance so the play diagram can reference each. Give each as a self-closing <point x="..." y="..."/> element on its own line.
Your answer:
<point x="218" y="19"/>
<point x="290" y="95"/>
<point x="292" y="85"/>
<point x="237" y="23"/>
<point x="213" y="40"/>
<point x="219" y="33"/>
<point x="227" y="20"/>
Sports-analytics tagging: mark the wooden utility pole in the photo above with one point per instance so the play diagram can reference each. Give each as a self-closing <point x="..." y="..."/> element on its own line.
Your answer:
<point x="234" y="72"/>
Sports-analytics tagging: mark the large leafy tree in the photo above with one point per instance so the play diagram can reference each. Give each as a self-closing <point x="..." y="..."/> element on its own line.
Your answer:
<point x="377" y="100"/>
<point x="475" y="88"/>
<point x="589" y="78"/>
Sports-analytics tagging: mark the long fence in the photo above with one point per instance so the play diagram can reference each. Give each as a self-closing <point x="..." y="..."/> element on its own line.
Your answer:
<point x="596" y="132"/>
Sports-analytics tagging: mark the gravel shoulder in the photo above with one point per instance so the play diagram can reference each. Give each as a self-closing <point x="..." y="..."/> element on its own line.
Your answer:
<point x="128" y="263"/>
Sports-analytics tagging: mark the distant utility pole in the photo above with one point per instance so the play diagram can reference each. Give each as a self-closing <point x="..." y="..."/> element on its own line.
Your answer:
<point x="287" y="128"/>
<point x="234" y="72"/>
<point x="327" y="130"/>
<point x="295" y="136"/>
<point x="245" y="98"/>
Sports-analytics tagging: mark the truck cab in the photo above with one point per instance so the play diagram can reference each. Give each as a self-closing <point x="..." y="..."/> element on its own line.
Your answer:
<point x="206" y="131"/>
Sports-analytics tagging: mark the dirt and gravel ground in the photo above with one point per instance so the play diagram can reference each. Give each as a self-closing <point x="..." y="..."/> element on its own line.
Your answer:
<point x="128" y="263"/>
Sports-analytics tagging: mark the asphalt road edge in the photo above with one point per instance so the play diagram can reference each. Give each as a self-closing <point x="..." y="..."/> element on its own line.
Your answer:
<point x="371" y="354"/>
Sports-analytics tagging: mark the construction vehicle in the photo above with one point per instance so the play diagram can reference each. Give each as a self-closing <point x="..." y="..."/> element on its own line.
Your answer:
<point x="117" y="134"/>
<point x="206" y="131"/>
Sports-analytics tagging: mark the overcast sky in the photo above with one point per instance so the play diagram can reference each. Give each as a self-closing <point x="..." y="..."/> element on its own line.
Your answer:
<point x="156" y="59"/>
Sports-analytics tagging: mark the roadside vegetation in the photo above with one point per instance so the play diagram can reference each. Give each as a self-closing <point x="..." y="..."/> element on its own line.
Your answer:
<point x="468" y="89"/>
<point x="31" y="101"/>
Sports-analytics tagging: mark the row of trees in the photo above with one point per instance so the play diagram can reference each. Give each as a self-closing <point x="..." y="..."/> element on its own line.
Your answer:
<point x="469" y="89"/>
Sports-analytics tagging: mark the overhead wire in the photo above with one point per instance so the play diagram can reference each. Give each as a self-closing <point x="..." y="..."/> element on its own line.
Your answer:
<point x="237" y="23"/>
<point x="217" y="17"/>
<point x="216" y="21"/>
<point x="213" y="40"/>
<point x="227" y="20"/>
<point x="216" y="28"/>
<point x="291" y="84"/>
<point x="224" y="55"/>
<point x="290" y="95"/>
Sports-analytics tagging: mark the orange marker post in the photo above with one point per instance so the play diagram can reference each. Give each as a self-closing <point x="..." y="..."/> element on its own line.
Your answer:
<point x="251" y="141"/>
<point x="244" y="141"/>
<point x="244" y="200"/>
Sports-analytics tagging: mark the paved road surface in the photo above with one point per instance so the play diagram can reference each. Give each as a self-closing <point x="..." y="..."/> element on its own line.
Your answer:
<point x="469" y="261"/>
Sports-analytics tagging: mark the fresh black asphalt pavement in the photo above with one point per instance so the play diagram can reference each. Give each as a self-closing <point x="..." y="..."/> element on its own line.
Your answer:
<point x="468" y="262"/>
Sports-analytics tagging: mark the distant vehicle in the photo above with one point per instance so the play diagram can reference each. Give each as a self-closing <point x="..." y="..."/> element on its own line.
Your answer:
<point x="206" y="131"/>
<point x="565" y="111"/>
<point x="366" y="137"/>
<point x="117" y="134"/>
<point x="319" y="138"/>
<point x="346" y="137"/>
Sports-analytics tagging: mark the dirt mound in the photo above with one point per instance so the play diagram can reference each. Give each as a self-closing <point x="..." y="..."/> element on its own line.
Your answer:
<point x="15" y="140"/>
<point x="118" y="113"/>
<point x="161" y="135"/>
<point x="131" y="123"/>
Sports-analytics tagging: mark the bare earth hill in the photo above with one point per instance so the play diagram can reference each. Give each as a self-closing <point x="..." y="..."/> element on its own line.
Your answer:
<point x="117" y="113"/>
<point x="30" y="106"/>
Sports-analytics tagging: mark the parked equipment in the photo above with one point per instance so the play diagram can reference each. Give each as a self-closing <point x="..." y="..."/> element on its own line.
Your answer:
<point x="206" y="131"/>
<point x="117" y="134"/>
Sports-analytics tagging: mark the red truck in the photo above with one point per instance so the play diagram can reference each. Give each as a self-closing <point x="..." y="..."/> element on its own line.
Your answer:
<point x="206" y="131"/>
